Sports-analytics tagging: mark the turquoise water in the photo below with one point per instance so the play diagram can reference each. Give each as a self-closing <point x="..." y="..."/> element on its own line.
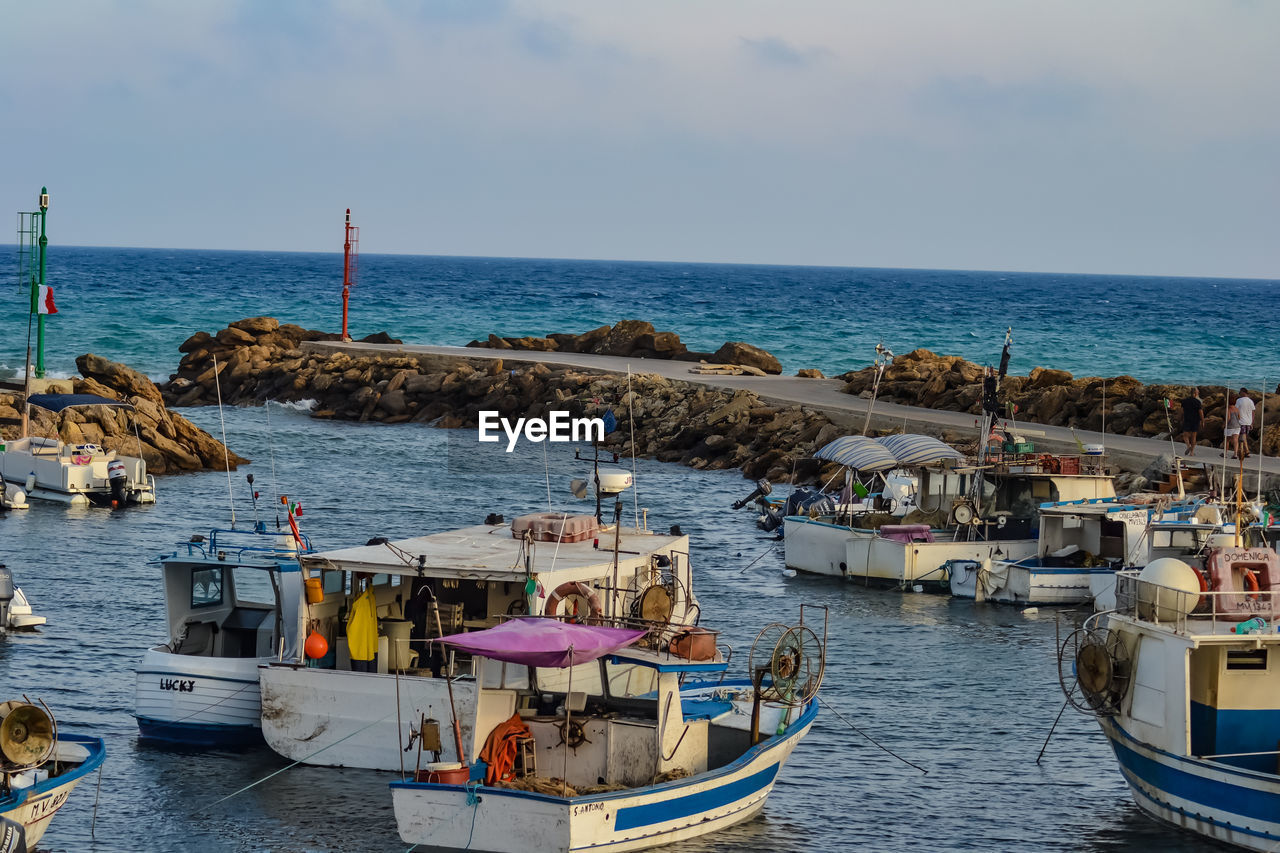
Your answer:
<point x="138" y="305"/>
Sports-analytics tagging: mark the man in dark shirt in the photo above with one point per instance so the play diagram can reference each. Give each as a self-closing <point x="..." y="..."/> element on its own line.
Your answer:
<point x="1192" y="418"/>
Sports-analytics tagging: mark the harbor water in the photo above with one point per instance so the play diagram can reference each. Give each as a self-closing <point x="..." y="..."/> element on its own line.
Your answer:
<point x="966" y="692"/>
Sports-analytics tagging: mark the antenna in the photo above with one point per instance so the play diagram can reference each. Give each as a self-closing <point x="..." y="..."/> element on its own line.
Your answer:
<point x="226" y="454"/>
<point x="350" y="250"/>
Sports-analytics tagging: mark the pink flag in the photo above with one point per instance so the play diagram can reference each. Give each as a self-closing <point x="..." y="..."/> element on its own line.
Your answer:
<point x="44" y="304"/>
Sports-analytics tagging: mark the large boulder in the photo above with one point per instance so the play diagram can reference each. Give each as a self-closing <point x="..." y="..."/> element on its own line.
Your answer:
<point x="737" y="352"/>
<point x="118" y="377"/>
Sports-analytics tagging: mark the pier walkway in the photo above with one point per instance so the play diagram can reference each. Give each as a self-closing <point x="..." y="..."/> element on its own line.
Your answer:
<point x="825" y="395"/>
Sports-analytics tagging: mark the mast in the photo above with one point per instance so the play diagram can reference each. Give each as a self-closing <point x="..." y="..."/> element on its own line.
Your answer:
<point x="990" y="412"/>
<point x="350" y="250"/>
<point x="36" y="291"/>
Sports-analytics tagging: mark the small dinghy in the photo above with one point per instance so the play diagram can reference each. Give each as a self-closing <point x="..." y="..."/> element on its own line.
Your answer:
<point x="39" y="767"/>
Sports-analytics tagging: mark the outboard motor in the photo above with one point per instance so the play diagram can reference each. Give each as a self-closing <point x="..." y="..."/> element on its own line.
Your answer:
<point x="763" y="488"/>
<point x="118" y="477"/>
<point x="6" y="596"/>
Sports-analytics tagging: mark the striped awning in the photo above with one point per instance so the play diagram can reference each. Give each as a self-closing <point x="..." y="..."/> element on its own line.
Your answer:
<point x="918" y="449"/>
<point x="859" y="452"/>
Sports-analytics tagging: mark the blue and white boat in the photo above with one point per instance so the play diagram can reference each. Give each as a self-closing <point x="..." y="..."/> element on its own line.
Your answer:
<point x="234" y="599"/>
<point x="39" y="767"/>
<point x="1081" y="545"/>
<point x="677" y="762"/>
<point x="1184" y="678"/>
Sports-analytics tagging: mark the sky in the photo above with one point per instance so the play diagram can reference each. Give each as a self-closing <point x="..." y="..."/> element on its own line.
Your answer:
<point x="1140" y="137"/>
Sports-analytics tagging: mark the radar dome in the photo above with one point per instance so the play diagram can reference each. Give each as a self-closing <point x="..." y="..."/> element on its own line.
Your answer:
<point x="1168" y="588"/>
<point x="614" y="481"/>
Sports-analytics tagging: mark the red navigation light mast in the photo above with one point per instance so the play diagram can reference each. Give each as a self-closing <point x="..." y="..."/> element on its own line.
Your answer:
<point x="350" y="249"/>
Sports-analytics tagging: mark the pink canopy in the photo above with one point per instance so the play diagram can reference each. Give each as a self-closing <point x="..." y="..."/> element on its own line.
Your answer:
<point x="539" y="641"/>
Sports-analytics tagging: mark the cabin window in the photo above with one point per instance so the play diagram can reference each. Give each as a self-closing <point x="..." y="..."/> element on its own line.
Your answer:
<point x="253" y="586"/>
<point x="1254" y="659"/>
<point x="585" y="679"/>
<point x="629" y="680"/>
<point x="333" y="581"/>
<point x="206" y="587"/>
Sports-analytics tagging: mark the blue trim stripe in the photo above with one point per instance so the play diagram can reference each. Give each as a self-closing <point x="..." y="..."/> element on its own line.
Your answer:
<point x="198" y="734"/>
<point x="715" y="797"/>
<point x="1223" y="798"/>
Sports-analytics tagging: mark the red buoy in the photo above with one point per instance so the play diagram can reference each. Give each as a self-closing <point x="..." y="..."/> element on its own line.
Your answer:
<point x="316" y="646"/>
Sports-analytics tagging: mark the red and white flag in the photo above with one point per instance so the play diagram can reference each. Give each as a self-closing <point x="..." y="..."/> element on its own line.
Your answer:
<point x="44" y="301"/>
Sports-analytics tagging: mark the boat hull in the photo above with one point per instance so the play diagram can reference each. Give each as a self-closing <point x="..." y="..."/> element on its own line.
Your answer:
<point x="335" y="718"/>
<point x="508" y="821"/>
<point x="1227" y="804"/>
<point x="823" y="548"/>
<point x="34" y="808"/>
<point x="1026" y="585"/>
<point x="198" y="701"/>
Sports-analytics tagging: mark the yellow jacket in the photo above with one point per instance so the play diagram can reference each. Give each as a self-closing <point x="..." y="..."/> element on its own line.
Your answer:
<point x="362" y="627"/>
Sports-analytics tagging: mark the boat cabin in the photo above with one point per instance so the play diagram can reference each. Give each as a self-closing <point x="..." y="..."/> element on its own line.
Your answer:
<point x="233" y="594"/>
<point x="473" y="578"/>
<point x="1205" y="684"/>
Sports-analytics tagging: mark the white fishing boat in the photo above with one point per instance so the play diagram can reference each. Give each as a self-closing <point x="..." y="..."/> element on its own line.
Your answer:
<point x="1185" y="684"/>
<point x="634" y="760"/>
<point x="1079" y="543"/>
<point x="39" y="767"/>
<point x="964" y="513"/>
<point x="233" y="599"/>
<point x="76" y="474"/>
<point x="333" y="711"/>
<point x="15" y="610"/>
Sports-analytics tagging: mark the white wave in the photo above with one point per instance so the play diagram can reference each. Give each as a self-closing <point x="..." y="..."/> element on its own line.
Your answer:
<point x="304" y="406"/>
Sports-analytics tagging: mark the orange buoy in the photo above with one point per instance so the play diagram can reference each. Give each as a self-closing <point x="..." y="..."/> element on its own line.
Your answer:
<point x="316" y="646"/>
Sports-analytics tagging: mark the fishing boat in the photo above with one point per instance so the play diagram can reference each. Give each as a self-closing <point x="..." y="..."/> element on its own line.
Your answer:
<point x="15" y="610"/>
<point x="335" y="707"/>
<point x="964" y="512"/>
<point x="76" y="474"/>
<point x="1080" y="543"/>
<point x="633" y="759"/>
<point x="233" y="599"/>
<point x="1183" y="679"/>
<point x="39" y="768"/>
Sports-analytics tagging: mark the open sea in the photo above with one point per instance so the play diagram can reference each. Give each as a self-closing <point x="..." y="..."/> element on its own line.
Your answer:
<point x="966" y="692"/>
<point x="138" y="305"/>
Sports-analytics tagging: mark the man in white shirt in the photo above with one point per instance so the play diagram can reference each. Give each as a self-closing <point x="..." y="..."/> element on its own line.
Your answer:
<point x="1246" y="406"/>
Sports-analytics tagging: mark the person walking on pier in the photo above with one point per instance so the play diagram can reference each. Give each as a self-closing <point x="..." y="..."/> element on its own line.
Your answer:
<point x="1246" y="406"/>
<point x="1192" y="418"/>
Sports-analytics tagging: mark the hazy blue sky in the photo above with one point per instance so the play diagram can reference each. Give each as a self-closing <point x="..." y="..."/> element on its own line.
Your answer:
<point x="1054" y="135"/>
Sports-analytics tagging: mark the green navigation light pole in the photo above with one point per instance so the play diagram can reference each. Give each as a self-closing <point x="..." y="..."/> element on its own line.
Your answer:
<point x="35" y="291"/>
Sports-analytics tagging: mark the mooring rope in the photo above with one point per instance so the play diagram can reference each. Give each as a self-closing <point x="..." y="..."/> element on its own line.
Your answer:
<point x="289" y="766"/>
<point x="762" y="555"/>
<point x="824" y="704"/>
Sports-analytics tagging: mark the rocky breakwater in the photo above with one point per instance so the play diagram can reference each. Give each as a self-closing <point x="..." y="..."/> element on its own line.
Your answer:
<point x="674" y="421"/>
<point x="169" y="443"/>
<point x="638" y="339"/>
<point x="1055" y="397"/>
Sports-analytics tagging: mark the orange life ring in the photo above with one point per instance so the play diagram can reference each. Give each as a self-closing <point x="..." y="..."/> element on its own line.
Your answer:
<point x="579" y="590"/>
<point x="1251" y="581"/>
